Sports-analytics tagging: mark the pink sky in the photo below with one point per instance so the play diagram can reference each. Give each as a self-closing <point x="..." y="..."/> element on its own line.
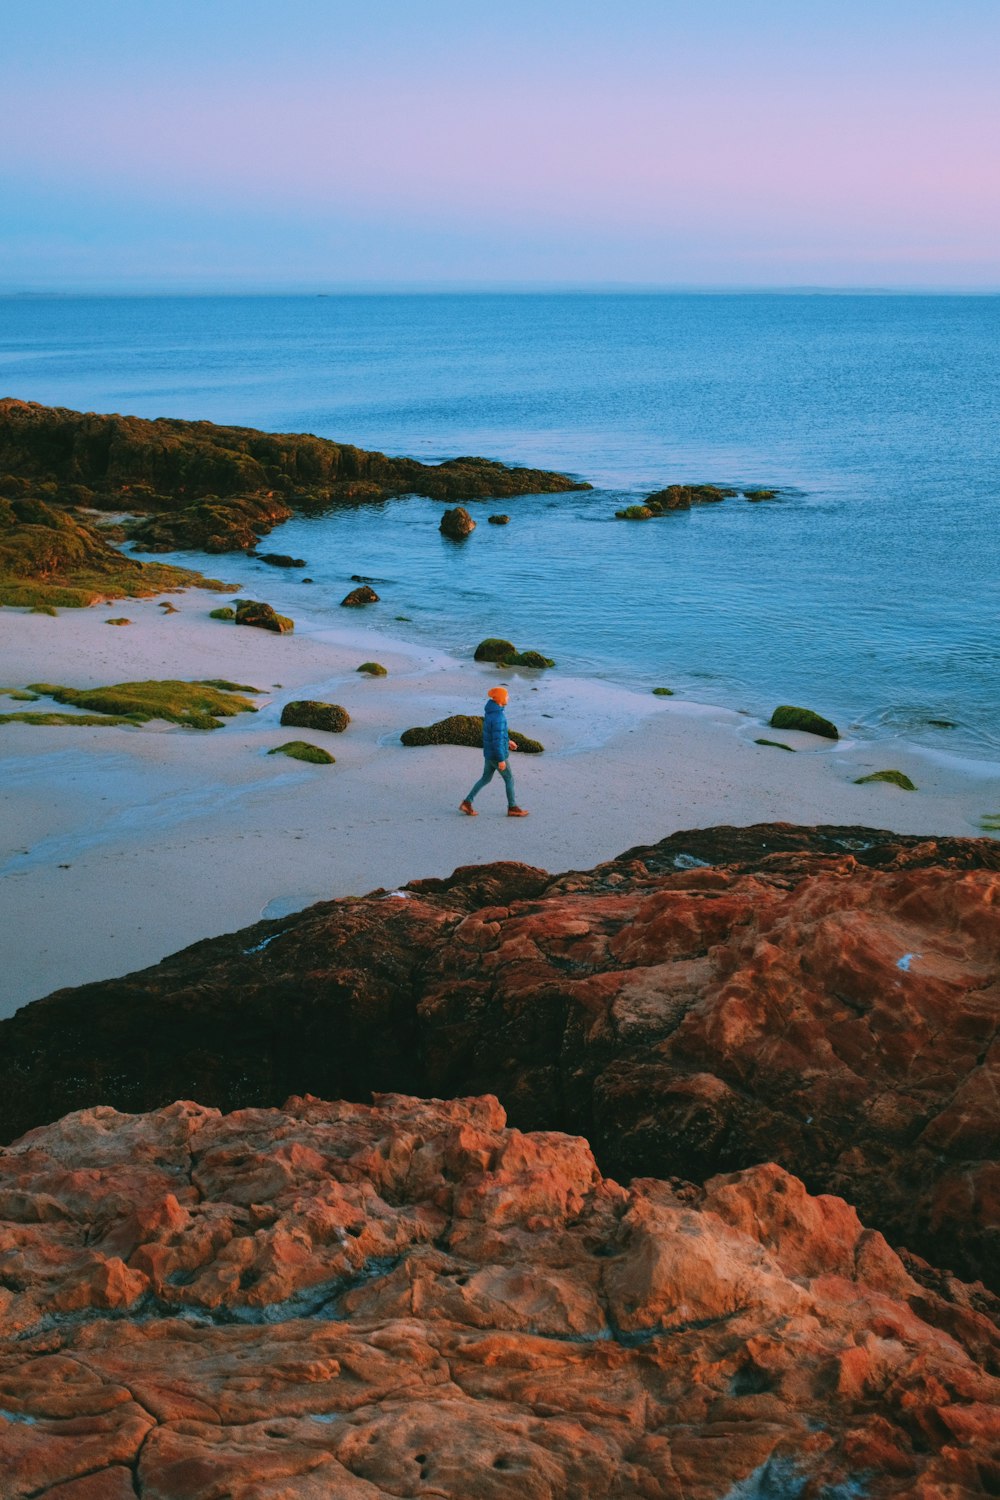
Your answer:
<point x="429" y="142"/>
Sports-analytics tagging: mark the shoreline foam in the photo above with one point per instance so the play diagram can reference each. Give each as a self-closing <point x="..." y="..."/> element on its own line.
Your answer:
<point x="141" y="841"/>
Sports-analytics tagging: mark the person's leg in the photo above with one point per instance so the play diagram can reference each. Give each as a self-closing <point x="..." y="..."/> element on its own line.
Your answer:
<point x="489" y="768"/>
<point x="508" y="777"/>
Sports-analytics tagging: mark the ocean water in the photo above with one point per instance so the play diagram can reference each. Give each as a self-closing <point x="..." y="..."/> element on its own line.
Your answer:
<point x="869" y="590"/>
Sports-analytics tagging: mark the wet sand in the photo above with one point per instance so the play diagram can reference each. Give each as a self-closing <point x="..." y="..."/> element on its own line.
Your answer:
<point x="121" y="845"/>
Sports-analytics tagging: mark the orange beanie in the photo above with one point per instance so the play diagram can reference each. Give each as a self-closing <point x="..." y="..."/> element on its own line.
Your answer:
<point x="498" y="694"/>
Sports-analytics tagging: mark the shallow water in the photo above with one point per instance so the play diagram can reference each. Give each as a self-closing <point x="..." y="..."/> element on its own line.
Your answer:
<point x="870" y="590"/>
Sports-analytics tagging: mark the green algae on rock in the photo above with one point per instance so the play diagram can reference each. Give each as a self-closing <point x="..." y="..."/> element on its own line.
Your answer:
<point x="494" y="648"/>
<point x="663" y="692"/>
<point x="52" y="558"/>
<point x="894" y="778"/>
<point x="20" y="694"/>
<point x="195" y="705"/>
<point x="787" y="716"/>
<point x="118" y="620"/>
<point x="635" y="513"/>
<point x="372" y="669"/>
<point x="358" y="597"/>
<point x="263" y="616"/>
<point x="533" y="659"/>
<point x="225" y="613"/>
<point x="464" y="729"/>
<point x="759" y="494"/>
<point x="777" y="744"/>
<point x="313" y="713"/>
<point x="506" y="654"/>
<point x="82" y="721"/>
<point x="302" y="750"/>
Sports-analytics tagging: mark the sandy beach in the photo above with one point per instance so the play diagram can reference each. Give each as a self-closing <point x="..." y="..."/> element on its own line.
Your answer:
<point x="122" y="845"/>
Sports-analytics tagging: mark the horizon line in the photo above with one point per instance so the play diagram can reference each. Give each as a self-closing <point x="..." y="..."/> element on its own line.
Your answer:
<point x="321" y="289"/>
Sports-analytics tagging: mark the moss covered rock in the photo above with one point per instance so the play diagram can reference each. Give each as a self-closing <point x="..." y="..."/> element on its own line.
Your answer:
<point x="263" y="616"/>
<point x="776" y="744"/>
<point x="82" y="721"/>
<point x="118" y="620"/>
<point x="302" y="750"/>
<point x="373" y="669"/>
<point x="533" y="659"/>
<point x="788" y="717"/>
<point x="894" y="778"/>
<point x="494" y="648"/>
<point x="196" y="705"/>
<point x="313" y="713"/>
<point x="759" y="494"/>
<point x="364" y="595"/>
<point x="51" y="558"/>
<point x="498" y="520"/>
<point x="195" y="484"/>
<point x="225" y="613"/>
<point x="635" y="513"/>
<point x="464" y="729"/>
<point x="663" y="692"/>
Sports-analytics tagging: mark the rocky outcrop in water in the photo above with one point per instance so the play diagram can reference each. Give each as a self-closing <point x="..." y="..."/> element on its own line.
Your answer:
<point x="825" y="998"/>
<point x="217" y="488"/>
<point x="333" y="1300"/>
<point x="457" y="524"/>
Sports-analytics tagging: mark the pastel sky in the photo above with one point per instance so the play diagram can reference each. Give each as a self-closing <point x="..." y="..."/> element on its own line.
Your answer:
<point x="317" y="144"/>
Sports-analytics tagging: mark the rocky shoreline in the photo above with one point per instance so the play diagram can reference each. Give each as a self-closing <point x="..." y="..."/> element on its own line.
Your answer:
<point x="823" y="998"/>
<point x="219" y="489"/>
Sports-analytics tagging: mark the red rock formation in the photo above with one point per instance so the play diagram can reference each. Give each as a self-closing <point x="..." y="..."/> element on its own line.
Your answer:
<point x="711" y="1002"/>
<point x="333" y="1300"/>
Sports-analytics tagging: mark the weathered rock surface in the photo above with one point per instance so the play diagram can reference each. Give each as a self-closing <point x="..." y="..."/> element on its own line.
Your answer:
<point x="220" y="488"/>
<point x="335" y="1300"/>
<point x="826" y="998"/>
<point x="457" y="523"/>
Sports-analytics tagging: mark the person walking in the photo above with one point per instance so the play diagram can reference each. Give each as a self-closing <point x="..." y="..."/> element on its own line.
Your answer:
<point x="497" y="746"/>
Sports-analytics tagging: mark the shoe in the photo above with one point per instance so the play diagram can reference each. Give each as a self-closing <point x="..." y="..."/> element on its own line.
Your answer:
<point x="468" y="809"/>
<point x="516" y="812"/>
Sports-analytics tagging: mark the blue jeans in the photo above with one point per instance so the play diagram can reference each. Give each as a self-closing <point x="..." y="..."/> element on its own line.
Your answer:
<point x="489" y="767"/>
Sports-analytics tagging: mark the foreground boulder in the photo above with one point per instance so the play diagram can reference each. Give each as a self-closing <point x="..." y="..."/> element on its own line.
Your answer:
<point x="312" y="713"/>
<point x="336" y="1300"/>
<point x="825" y="998"/>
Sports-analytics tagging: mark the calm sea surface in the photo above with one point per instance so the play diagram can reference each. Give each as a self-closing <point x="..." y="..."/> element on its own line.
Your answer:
<point x="870" y="590"/>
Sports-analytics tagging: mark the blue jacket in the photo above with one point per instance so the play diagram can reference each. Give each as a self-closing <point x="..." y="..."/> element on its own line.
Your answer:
<point x="496" y="745"/>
